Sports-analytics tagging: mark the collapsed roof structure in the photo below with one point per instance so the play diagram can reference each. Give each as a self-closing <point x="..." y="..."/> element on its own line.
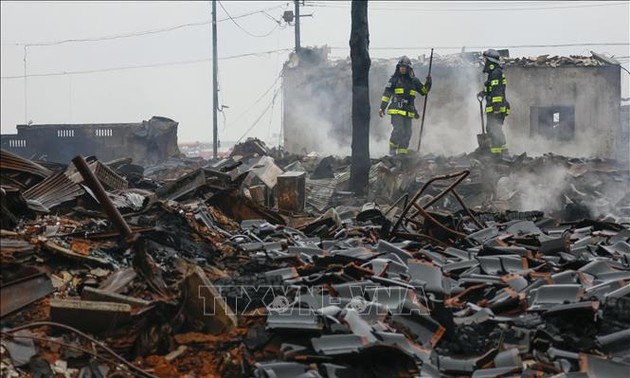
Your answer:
<point x="263" y="265"/>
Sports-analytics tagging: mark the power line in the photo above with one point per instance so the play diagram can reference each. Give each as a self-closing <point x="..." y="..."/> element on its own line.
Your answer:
<point x="262" y="53"/>
<point x="260" y="97"/>
<point x="178" y="63"/>
<point x="139" y="33"/>
<point x="251" y="107"/>
<point x="242" y="28"/>
<point x="494" y="46"/>
<point x="422" y="4"/>
<point x="272" y="18"/>
<point x="255" y="54"/>
<point x="273" y="100"/>
<point x="119" y="36"/>
<point x="466" y="2"/>
<point x="478" y="9"/>
<point x="109" y="69"/>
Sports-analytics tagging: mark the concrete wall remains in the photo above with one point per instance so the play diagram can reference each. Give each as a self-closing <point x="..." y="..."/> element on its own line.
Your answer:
<point x="147" y="142"/>
<point x="317" y="102"/>
<point x="594" y="94"/>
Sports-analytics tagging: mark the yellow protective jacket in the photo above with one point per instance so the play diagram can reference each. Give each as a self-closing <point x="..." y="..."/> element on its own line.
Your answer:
<point x="494" y="90"/>
<point x="400" y="94"/>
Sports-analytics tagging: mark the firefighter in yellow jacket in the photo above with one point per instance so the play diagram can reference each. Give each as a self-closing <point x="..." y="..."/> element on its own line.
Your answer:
<point x="497" y="106"/>
<point x="400" y="94"/>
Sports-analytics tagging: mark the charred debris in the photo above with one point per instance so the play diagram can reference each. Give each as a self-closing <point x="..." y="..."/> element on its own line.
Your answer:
<point x="265" y="265"/>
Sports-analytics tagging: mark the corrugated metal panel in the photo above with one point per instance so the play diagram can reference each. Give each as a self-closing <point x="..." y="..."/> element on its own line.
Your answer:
<point x="16" y="163"/>
<point x="54" y="190"/>
<point x="319" y="192"/>
<point x="20" y="172"/>
<point x="107" y="176"/>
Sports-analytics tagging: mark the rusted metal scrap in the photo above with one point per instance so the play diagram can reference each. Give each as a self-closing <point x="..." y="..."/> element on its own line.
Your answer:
<point x="431" y="284"/>
<point x="23" y="291"/>
<point x="142" y="262"/>
<point x="414" y="211"/>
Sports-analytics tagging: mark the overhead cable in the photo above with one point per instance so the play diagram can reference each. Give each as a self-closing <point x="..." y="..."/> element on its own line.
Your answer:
<point x="177" y="63"/>
<point x="242" y="28"/>
<point x="136" y="34"/>
<point x="388" y="7"/>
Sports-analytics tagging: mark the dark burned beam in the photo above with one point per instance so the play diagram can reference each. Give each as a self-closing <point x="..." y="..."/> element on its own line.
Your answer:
<point x="21" y="292"/>
<point x="108" y="206"/>
<point x="359" y="43"/>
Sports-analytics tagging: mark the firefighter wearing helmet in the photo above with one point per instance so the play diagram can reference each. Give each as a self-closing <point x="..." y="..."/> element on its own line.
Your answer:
<point x="398" y="101"/>
<point x="497" y="107"/>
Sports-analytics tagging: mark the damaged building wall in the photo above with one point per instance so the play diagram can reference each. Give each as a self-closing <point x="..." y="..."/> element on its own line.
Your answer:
<point x="624" y="140"/>
<point x="317" y="105"/>
<point x="146" y="142"/>
<point x="585" y="101"/>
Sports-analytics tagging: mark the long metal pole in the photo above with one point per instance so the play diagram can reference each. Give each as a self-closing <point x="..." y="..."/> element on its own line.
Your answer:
<point x="424" y="107"/>
<point x="25" y="89"/>
<point x="70" y="96"/>
<point x="110" y="209"/>
<point x="297" y="25"/>
<point x="483" y="126"/>
<point x="215" y="84"/>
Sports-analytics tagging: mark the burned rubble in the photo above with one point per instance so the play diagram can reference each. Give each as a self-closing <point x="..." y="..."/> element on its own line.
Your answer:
<point x="263" y="264"/>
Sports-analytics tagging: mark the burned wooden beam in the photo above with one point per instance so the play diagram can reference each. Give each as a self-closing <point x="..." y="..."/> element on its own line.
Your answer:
<point x="359" y="45"/>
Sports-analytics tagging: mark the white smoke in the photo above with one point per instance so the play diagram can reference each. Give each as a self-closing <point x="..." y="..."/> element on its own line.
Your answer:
<point x="540" y="190"/>
<point x="549" y="187"/>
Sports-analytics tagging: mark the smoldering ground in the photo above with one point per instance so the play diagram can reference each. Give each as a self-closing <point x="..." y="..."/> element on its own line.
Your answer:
<point x="453" y="119"/>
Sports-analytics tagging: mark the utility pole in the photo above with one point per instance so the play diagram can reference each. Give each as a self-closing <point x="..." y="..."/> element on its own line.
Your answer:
<point x="360" y="55"/>
<point x="297" y="25"/>
<point x="294" y="16"/>
<point x="25" y="89"/>
<point x="215" y="84"/>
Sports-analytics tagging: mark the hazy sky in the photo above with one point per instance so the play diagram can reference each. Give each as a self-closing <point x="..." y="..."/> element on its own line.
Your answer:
<point x="175" y="77"/>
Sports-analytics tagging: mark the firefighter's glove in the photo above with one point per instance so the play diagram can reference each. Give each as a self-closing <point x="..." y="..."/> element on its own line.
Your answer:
<point x="480" y="95"/>
<point x="428" y="83"/>
<point x="380" y="113"/>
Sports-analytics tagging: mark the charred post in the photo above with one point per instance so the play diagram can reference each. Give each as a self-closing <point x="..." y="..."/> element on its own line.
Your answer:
<point x="359" y="43"/>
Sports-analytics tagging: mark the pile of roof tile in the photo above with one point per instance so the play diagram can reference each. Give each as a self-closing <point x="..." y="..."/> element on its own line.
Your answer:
<point x="199" y="276"/>
<point x="556" y="61"/>
<point x="476" y="58"/>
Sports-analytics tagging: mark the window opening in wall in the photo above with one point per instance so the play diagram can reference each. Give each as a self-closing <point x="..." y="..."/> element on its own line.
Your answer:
<point x="17" y="143"/>
<point x="65" y="133"/>
<point x="104" y="132"/>
<point x="553" y="122"/>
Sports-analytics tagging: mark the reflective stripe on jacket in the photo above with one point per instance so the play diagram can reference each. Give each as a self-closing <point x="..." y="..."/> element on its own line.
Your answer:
<point x="494" y="89"/>
<point x="400" y="94"/>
